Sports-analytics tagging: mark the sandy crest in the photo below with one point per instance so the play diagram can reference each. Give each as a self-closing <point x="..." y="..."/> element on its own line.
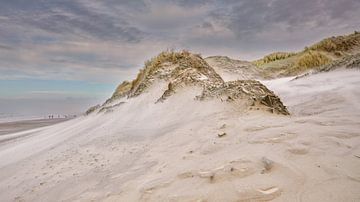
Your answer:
<point x="171" y="151"/>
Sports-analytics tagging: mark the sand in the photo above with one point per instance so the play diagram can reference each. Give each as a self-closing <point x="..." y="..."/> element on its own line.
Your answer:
<point x="17" y="126"/>
<point x="172" y="151"/>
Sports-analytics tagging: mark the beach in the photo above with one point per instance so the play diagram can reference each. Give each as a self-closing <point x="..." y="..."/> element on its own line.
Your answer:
<point x="18" y="126"/>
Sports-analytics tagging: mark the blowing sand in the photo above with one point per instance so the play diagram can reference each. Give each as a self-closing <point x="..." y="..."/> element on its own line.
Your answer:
<point x="17" y="126"/>
<point x="171" y="151"/>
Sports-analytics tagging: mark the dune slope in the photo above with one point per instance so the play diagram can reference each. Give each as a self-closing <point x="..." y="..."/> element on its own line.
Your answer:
<point x="329" y="52"/>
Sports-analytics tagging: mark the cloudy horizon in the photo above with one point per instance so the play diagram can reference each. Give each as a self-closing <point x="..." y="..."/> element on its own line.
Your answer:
<point x="80" y="50"/>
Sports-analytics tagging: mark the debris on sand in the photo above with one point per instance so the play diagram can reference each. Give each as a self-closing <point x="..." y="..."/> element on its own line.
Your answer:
<point x="252" y="92"/>
<point x="268" y="164"/>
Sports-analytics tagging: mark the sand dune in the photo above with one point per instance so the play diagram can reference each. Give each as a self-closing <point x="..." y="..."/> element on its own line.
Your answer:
<point x="144" y="151"/>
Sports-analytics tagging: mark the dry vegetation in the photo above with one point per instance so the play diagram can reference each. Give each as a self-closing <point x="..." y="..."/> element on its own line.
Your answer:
<point x="273" y="57"/>
<point x="312" y="59"/>
<point x="150" y="67"/>
<point x="153" y="64"/>
<point x="302" y="62"/>
<point x="122" y="90"/>
<point x="92" y="109"/>
<point x="339" y="43"/>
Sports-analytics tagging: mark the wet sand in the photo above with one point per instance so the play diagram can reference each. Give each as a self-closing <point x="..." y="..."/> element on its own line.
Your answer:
<point x="18" y="126"/>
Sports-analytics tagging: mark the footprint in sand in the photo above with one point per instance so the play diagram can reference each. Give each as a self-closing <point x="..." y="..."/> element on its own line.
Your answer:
<point x="211" y="147"/>
<point x="271" y="138"/>
<point x="231" y="170"/>
<point x="150" y="186"/>
<point x="260" y="194"/>
<point x="260" y="128"/>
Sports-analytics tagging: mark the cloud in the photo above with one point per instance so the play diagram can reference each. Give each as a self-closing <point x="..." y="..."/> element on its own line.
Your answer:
<point x="108" y="40"/>
<point x="69" y="19"/>
<point x="258" y="23"/>
<point x="5" y="47"/>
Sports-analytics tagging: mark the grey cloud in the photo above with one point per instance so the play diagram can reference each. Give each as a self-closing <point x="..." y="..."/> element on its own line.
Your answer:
<point x="4" y="47"/>
<point x="70" y="19"/>
<point x="264" y="26"/>
<point x="85" y="37"/>
<point x="192" y="3"/>
<point x="206" y="25"/>
<point x="253" y="16"/>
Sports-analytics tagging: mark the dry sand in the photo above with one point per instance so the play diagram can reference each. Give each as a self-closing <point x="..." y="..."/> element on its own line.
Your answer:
<point x="17" y="126"/>
<point x="171" y="151"/>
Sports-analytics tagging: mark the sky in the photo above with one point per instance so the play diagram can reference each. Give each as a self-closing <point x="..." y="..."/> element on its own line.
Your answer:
<point x="62" y="56"/>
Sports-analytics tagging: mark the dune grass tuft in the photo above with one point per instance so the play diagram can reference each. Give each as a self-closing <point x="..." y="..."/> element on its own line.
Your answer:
<point x="311" y="59"/>
<point x="273" y="57"/>
<point x="122" y="90"/>
<point x="339" y="43"/>
<point x="135" y="87"/>
<point x="154" y="63"/>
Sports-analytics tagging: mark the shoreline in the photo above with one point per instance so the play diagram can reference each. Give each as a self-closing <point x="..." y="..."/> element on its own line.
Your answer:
<point x="23" y="125"/>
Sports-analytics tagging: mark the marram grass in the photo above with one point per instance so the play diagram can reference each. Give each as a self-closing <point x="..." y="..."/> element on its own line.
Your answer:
<point x="273" y="57"/>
